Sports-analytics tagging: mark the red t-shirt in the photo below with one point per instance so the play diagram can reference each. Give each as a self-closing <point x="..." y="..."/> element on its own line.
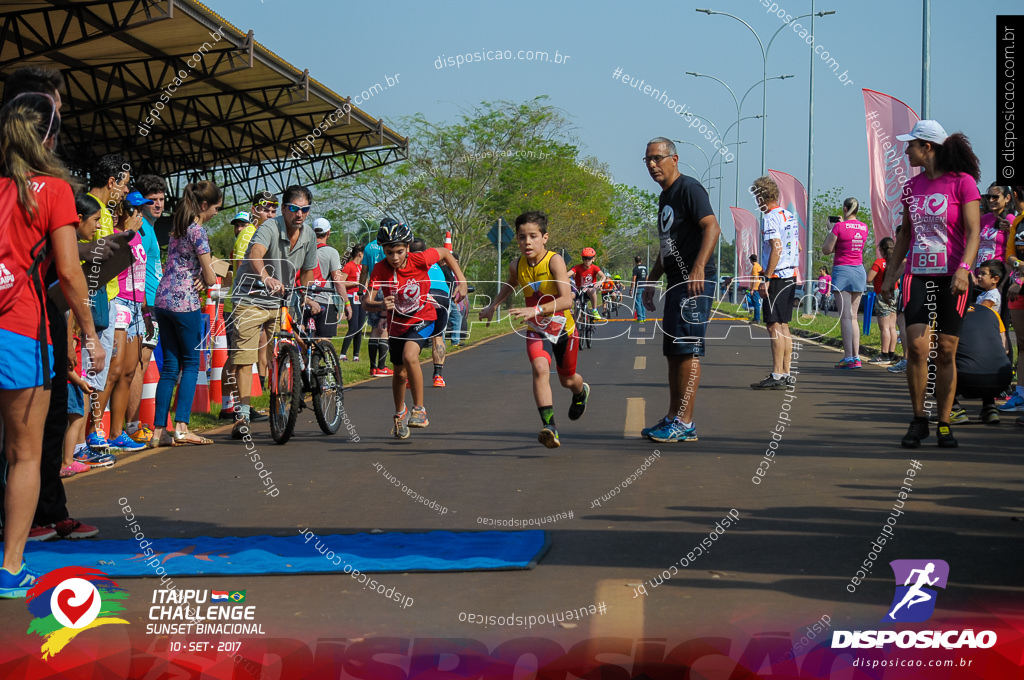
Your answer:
<point x="55" y="208"/>
<point x="585" y="276"/>
<point x="410" y="286"/>
<point x="351" y="270"/>
<point x="879" y="268"/>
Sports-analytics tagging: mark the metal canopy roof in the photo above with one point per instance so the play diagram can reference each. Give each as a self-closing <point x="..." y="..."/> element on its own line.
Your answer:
<point x="229" y="109"/>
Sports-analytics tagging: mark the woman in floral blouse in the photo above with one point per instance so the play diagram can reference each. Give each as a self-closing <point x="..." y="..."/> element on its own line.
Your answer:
<point x="178" y="309"/>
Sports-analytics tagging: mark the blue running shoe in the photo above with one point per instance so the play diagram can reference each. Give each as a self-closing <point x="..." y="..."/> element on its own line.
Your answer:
<point x="673" y="432"/>
<point x="97" y="441"/>
<point x="1014" y="403"/>
<point x="646" y="432"/>
<point x="126" y="443"/>
<point x="17" y="584"/>
<point x="94" y="458"/>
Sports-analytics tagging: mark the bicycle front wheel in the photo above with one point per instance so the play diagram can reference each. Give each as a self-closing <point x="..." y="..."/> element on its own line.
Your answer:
<point x="327" y="387"/>
<point x="285" y="393"/>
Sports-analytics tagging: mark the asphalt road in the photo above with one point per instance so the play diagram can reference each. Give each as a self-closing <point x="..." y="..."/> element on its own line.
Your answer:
<point x="801" y="534"/>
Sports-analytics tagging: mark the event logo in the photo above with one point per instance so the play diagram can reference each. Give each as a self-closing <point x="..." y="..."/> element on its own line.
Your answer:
<point x="665" y="218"/>
<point x="70" y="600"/>
<point x="935" y="204"/>
<point x="915" y="602"/>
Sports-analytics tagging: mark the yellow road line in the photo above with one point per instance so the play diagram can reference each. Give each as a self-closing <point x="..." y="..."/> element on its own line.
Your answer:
<point x="625" y="613"/>
<point x="641" y="341"/>
<point x="640" y="363"/>
<point x="635" y="412"/>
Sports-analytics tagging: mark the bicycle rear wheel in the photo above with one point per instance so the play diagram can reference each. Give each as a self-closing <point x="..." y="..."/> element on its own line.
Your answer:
<point x="285" y="393"/>
<point x="327" y="387"/>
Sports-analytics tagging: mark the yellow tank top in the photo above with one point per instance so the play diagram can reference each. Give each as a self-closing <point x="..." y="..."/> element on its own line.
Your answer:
<point x="540" y="286"/>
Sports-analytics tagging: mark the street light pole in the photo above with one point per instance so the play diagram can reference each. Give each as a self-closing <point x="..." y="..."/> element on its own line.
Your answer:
<point x="926" y="64"/>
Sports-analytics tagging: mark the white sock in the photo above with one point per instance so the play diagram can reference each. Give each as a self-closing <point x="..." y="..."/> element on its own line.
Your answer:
<point x="777" y="376"/>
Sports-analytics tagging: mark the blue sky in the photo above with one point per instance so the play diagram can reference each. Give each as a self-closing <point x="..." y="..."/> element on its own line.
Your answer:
<point x="351" y="46"/>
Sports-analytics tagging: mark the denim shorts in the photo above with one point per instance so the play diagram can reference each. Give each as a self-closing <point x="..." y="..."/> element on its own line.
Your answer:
<point x="76" y="400"/>
<point x="685" y="321"/>
<point x="22" y="366"/>
<point x="129" y="318"/>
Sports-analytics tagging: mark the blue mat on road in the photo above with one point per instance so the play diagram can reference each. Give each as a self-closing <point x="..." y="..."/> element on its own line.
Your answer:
<point x="261" y="555"/>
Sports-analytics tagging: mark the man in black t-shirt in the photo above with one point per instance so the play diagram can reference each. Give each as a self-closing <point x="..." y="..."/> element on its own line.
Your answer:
<point x="639" y="276"/>
<point x="688" y="231"/>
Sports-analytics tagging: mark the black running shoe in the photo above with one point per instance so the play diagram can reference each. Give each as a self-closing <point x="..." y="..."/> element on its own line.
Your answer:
<point x="226" y="414"/>
<point x="579" y="403"/>
<point x="770" y="383"/>
<point x="258" y="416"/>
<point x="944" y="433"/>
<point x="918" y="430"/>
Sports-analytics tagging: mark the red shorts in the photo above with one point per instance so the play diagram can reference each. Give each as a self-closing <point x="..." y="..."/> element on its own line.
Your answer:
<point x="565" y="351"/>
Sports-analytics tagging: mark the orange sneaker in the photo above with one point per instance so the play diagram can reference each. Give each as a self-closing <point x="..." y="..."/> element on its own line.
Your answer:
<point x="438" y="381"/>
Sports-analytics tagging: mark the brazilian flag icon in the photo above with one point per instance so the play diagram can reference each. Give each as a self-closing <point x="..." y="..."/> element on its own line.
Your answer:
<point x="237" y="596"/>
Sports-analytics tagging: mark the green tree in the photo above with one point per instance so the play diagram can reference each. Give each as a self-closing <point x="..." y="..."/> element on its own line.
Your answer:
<point x="830" y="203"/>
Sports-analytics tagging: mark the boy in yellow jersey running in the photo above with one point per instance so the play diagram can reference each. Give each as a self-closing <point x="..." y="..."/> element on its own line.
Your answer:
<point x="541" y="274"/>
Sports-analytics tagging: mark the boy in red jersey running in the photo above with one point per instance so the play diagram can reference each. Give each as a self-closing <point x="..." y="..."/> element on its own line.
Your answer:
<point x="403" y="279"/>
<point x="588" y="276"/>
<point x="541" y="274"/>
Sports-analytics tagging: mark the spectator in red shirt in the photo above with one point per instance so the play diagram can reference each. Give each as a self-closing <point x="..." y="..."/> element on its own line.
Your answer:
<point x="37" y="211"/>
<point x="884" y="310"/>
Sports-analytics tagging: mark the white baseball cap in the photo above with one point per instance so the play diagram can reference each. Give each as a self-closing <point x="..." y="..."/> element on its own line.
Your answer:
<point x="321" y="226"/>
<point x="241" y="217"/>
<point x="926" y="131"/>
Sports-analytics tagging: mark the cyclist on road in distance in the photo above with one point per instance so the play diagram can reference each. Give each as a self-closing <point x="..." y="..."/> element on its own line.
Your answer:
<point x="587" y="276"/>
<point x="541" y="275"/>
<point x="404" y="280"/>
<point x="607" y="294"/>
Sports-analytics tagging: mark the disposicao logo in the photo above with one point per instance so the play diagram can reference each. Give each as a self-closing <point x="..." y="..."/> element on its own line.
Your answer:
<point x="914" y="602"/>
<point x="924" y="573"/>
<point x="70" y="600"/>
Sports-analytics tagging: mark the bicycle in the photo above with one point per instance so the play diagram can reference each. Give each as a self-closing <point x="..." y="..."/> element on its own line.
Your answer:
<point x="299" y="363"/>
<point x="584" y="321"/>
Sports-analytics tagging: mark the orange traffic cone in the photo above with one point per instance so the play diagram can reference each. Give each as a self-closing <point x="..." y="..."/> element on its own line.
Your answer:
<point x="448" y="240"/>
<point x="218" y="358"/>
<point x="201" y="400"/>
<point x="257" y="388"/>
<point x="147" y="407"/>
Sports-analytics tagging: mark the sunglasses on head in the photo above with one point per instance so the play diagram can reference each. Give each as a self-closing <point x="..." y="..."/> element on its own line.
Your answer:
<point x="297" y="208"/>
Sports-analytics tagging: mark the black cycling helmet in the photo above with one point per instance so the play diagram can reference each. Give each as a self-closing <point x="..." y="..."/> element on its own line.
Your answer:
<point x="392" y="233"/>
<point x="386" y="221"/>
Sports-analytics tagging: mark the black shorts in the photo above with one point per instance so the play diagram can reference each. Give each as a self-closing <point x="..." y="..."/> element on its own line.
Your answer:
<point x="443" y="303"/>
<point x="685" y="321"/>
<point x="396" y="345"/>
<point x="779" y="306"/>
<point x="930" y="300"/>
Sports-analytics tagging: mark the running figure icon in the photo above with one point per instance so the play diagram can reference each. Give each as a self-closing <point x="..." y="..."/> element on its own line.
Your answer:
<point x="915" y="595"/>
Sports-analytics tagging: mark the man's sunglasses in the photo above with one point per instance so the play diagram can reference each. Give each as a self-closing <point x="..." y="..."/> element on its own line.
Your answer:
<point x="297" y="208"/>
